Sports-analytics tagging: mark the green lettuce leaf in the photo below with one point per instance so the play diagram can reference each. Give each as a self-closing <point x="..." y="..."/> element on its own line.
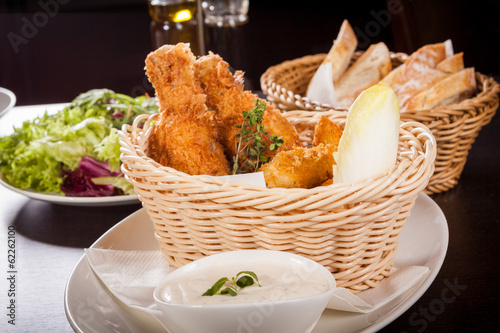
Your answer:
<point x="118" y="182"/>
<point x="108" y="150"/>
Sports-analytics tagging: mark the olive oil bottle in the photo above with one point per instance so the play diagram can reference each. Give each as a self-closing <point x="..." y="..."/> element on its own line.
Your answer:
<point x="175" y="21"/>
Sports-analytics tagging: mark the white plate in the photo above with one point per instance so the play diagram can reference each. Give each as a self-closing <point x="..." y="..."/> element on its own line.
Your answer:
<point x="15" y="119"/>
<point x="7" y="100"/>
<point x="90" y="307"/>
<point x="76" y="201"/>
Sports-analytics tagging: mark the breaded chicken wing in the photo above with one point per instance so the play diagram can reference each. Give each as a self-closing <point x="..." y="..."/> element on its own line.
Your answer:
<point x="188" y="145"/>
<point x="170" y="71"/>
<point x="184" y="136"/>
<point x="300" y="167"/>
<point x="225" y="95"/>
<point x="327" y="132"/>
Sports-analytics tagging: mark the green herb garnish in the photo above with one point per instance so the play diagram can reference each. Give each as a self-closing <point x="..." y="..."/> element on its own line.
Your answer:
<point x="248" y="278"/>
<point x="250" y="147"/>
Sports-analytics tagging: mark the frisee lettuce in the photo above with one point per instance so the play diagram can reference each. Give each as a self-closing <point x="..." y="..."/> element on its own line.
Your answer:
<point x="45" y="154"/>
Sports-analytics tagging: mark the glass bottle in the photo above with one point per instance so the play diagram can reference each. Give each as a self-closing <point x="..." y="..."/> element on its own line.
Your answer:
<point x="175" y="21"/>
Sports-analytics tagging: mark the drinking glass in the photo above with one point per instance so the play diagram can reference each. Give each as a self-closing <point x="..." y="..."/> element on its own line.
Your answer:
<point x="224" y="22"/>
<point x="225" y="12"/>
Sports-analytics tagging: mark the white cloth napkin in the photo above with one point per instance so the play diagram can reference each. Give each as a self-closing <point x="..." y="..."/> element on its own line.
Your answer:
<point x="253" y="178"/>
<point x="321" y="87"/>
<point x="132" y="277"/>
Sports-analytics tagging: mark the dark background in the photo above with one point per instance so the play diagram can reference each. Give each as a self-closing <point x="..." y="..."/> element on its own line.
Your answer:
<point x="90" y="44"/>
<point x="77" y="45"/>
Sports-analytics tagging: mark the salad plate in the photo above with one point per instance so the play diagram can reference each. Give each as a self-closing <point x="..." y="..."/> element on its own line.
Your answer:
<point x="91" y="307"/>
<point x="75" y="201"/>
<point x="15" y="119"/>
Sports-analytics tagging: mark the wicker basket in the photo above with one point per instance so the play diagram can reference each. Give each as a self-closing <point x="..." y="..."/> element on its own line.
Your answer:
<point x="455" y="126"/>
<point x="350" y="229"/>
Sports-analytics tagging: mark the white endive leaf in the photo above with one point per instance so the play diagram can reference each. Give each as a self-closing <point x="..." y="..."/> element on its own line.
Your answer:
<point x="369" y="144"/>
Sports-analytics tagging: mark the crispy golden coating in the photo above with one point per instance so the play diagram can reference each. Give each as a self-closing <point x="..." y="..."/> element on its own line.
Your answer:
<point x="328" y="182"/>
<point x="327" y="132"/>
<point x="216" y="80"/>
<point x="300" y="167"/>
<point x="184" y="136"/>
<point x="170" y="71"/>
<point x="226" y="96"/>
<point x="188" y="146"/>
<point x="279" y="125"/>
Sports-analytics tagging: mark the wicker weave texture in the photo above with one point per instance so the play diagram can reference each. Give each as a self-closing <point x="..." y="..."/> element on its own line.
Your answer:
<point x="454" y="126"/>
<point x="350" y="229"/>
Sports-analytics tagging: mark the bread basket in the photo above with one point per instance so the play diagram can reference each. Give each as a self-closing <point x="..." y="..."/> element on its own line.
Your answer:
<point x="455" y="127"/>
<point x="350" y="229"/>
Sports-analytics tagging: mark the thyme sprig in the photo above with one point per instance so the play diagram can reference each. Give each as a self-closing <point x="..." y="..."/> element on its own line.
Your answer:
<point x="250" y="147"/>
<point x="248" y="278"/>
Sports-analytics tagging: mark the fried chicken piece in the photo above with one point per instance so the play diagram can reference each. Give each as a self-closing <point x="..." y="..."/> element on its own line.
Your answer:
<point x="226" y="96"/>
<point x="327" y="132"/>
<point x="184" y="136"/>
<point x="188" y="145"/>
<point x="300" y="167"/>
<point x="170" y="71"/>
<point x="328" y="182"/>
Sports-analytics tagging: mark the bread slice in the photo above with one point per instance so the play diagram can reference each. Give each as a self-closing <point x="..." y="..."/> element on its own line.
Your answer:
<point x="341" y="52"/>
<point x="367" y="71"/>
<point x="420" y="71"/>
<point x="390" y="78"/>
<point x="450" y="90"/>
<point x="452" y="64"/>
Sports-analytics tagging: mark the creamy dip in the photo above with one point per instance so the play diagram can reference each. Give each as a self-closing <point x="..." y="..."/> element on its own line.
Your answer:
<point x="278" y="282"/>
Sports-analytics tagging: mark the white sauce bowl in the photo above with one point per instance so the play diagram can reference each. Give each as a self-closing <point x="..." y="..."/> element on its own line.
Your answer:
<point x="269" y="316"/>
